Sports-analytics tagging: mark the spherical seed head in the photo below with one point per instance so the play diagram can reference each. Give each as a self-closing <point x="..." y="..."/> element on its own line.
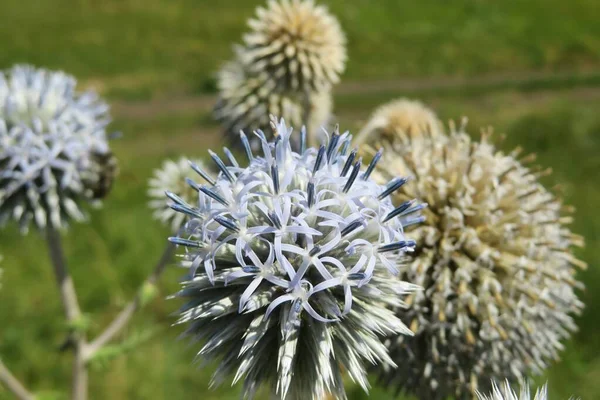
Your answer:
<point x="298" y="44"/>
<point x="246" y="100"/>
<point x="53" y="148"/>
<point x="494" y="257"/>
<point x="171" y="177"/>
<point x="401" y="120"/>
<point x="290" y="261"/>
<point x="504" y="392"/>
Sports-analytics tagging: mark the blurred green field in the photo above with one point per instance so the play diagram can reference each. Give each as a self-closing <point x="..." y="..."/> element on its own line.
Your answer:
<point x="530" y="69"/>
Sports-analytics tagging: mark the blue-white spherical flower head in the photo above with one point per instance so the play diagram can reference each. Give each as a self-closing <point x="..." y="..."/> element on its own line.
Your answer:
<point x="53" y="148"/>
<point x="291" y="264"/>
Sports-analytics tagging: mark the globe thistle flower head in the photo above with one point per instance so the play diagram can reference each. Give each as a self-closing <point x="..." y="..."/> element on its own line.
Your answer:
<point x="53" y="148"/>
<point x="290" y="260"/>
<point x="401" y="121"/>
<point x="297" y="44"/>
<point x="495" y="260"/>
<point x="504" y="392"/>
<point x="29" y="96"/>
<point x="246" y="100"/>
<point x="171" y="177"/>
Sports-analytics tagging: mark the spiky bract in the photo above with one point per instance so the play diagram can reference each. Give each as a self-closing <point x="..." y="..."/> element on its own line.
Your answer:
<point x="297" y="44"/>
<point x="504" y="392"/>
<point x="246" y="100"/>
<point x="171" y="177"/>
<point x="290" y="261"/>
<point x="53" y="148"/>
<point x="401" y="120"/>
<point x="495" y="260"/>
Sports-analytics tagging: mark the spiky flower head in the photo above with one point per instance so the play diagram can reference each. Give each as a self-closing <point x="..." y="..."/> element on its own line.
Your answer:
<point x="298" y="44"/>
<point x="171" y="177"/>
<point x="401" y="120"/>
<point x="494" y="258"/>
<point x="290" y="260"/>
<point x="53" y="148"/>
<point x="246" y="100"/>
<point x="504" y="392"/>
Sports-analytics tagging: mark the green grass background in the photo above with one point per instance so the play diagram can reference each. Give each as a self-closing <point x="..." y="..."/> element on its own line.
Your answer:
<point x="529" y="68"/>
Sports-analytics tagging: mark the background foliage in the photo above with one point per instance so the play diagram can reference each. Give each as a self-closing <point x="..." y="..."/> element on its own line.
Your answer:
<point x="531" y="69"/>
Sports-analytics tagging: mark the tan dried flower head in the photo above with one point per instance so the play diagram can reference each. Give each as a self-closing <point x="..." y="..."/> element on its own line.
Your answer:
<point x="298" y="44"/>
<point x="401" y="121"/>
<point x="494" y="257"/>
<point x="246" y="101"/>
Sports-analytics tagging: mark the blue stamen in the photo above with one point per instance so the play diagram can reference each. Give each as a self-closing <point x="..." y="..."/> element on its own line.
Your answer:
<point x="184" y="242"/>
<point x="413" y="221"/>
<point x="314" y="251"/>
<point x="351" y="227"/>
<point x="303" y="140"/>
<point x="230" y="157"/>
<point x="392" y="187"/>
<point x="192" y="184"/>
<point x="353" y="176"/>
<point x="335" y="137"/>
<point x="221" y="166"/>
<point x="214" y="195"/>
<point x="349" y="162"/>
<point x="275" y="220"/>
<point x="227" y="223"/>
<point x="247" y="147"/>
<point x="310" y="189"/>
<point x="396" y="246"/>
<point x="275" y="178"/>
<point x="372" y="165"/>
<point x="401" y="208"/>
<point x="203" y="174"/>
<point x="319" y="159"/>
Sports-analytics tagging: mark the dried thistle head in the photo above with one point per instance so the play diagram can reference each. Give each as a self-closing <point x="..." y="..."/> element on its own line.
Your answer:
<point x="290" y="260"/>
<point x="171" y="177"/>
<point x="298" y="44"/>
<point x="495" y="259"/>
<point x="53" y="148"/>
<point x="400" y="121"/>
<point x="246" y="100"/>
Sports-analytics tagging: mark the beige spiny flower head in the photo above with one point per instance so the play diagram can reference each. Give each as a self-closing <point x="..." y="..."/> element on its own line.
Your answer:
<point x="402" y="121"/>
<point x="494" y="257"/>
<point x="246" y="100"/>
<point x="298" y="44"/>
<point x="171" y="177"/>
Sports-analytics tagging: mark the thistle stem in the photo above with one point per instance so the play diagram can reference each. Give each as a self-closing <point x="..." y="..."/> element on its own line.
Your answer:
<point x="79" y="384"/>
<point x="13" y="384"/>
<point x="125" y="315"/>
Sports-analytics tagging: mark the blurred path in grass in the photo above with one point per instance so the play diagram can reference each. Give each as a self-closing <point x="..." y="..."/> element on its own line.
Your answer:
<point x="533" y="81"/>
